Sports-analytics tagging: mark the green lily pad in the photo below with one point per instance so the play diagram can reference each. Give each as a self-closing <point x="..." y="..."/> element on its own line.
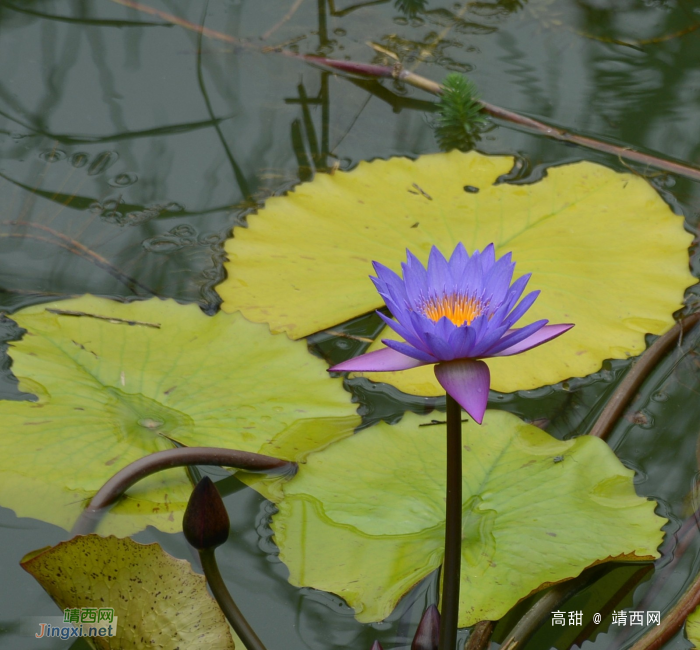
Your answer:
<point x="536" y="511"/>
<point x="117" y="381"/>
<point x="132" y="579"/>
<point x="605" y="250"/>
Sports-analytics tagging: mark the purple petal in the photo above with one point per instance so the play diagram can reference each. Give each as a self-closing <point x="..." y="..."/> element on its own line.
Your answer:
<point x="428" y="633"/>
<point x="410" y="351"/>
<point x="467" y="381"/>
<point x="480" y="325"/>
<point x="488" y="258"/>
<point x="462" y="341"/>
<point x="384" y="360"/>
<point x="439" y="346"/>
<point x="522" y="307"/>
<point x="395" y="301"/>
<point x="547" y="333"/>
<point x="472" y="283"/>
<point x="458" y="265"/>
<point x="415" y="278"/>
<point x="405" y="332"/>
<point x="497" y="282"/>
<point x="488" y="340"/>
<point x="439" y="278"/>
<point x="516" y="290"/>
<point x="386" y="276"/>
<point x="458" y="260"/>
<point x="513" y="337"/>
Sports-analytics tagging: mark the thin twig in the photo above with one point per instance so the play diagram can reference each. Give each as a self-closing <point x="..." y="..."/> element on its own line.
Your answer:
<point x="109" y="319"/>
<point x="637" y="374"/>
<point x="398" y="72"/>
<point x="175" y="20"/>
<point x="283" y="20"/>
<point x="179" y="457"/>
<point x="86" y="253"/>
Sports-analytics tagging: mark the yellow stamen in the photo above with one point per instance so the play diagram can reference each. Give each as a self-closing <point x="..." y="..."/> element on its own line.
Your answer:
<point x="459" y="309"/>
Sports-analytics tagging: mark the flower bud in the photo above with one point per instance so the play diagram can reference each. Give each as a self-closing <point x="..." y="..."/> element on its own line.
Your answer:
<point x="428" y="631"/>
<point x="205" y="524"/>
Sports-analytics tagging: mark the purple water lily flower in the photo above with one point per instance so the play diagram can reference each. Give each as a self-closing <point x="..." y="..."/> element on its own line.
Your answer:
<point x="453" y="314"/>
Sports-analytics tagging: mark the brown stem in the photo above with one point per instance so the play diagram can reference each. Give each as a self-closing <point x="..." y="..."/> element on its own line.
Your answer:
<point x="398" y="72"/>
<point x="637" y="374"/>
<point x="613" y="602"/>
<point x="480" y="636"/>
<point x="534" y="616"/>
<point x="676" y="545"/>
<point x="223" y="597"/>
<point x="175" y="20"/>
<point x="673" y="621"/>
<point x="626" y="153"/>
<point x="282" y="21"/>
<point x="160" y="460"/>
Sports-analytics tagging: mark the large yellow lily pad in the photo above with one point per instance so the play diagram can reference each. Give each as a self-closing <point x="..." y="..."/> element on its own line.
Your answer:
<point x="158" y="600"/>
<point x="605" y="250"/>
<point x="117" y="381"/>
<point x="365" y="518"/>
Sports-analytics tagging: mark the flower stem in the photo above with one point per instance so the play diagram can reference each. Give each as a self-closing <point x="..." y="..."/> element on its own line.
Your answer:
<point x="160" y="460"/>
<point x="228" y="607"/>
<point x="453" y="529"/>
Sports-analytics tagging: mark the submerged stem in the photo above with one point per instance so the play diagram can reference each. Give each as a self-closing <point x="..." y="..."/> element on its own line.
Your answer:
<point x="453" y="529"/>
<point x="228" y="607"/>
<point x="638" y="373"/>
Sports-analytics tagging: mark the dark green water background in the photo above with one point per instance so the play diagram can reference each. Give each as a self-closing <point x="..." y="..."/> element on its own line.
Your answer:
<point x="147" y="144"/>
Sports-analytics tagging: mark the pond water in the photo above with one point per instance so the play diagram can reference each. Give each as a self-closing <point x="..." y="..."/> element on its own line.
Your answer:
<point x="130" y="148"/>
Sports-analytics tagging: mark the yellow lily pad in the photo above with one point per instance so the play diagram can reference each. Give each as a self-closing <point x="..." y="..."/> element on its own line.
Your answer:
<point x="605" y="250"/>
<point x="115" y="382"/>
<point x="537" y="511"/>
<point x="692" y="627"/>
<point x="133" y="579"/>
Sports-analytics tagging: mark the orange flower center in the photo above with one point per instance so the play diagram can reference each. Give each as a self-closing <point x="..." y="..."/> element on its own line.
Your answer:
<point x="458" y="308"/>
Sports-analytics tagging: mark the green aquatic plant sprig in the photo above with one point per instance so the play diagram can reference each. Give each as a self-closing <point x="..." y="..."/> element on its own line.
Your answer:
<point x="460" y="114"/>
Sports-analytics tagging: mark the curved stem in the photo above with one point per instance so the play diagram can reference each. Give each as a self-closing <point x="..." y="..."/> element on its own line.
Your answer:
<point x="480" y="637"/>
<point x="228" y="607"/>
<point x="533" y="618"/>
<point x="673" y="621"/>
<point x="179" y="457"/>
<point x="637" y="374"/>
<point x="612" y="411"/>
<point x="451" y="565"/>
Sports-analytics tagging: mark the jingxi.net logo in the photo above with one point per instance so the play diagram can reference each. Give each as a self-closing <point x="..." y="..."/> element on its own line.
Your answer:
<point x="75" y="623"/>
